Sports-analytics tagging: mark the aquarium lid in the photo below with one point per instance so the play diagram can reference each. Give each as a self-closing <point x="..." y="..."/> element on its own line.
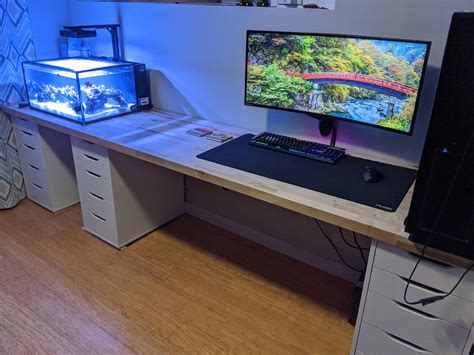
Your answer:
<point x="80" y="64"/>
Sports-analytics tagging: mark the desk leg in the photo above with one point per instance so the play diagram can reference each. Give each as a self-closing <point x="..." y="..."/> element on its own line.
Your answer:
<point x="124" y="198"/>
<point x="365" y="289"/>
<point x="469" y="347"/>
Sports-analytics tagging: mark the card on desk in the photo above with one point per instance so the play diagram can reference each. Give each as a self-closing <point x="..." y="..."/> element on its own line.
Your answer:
<point x="199" y="132"/>
<point x="219" y="137"/>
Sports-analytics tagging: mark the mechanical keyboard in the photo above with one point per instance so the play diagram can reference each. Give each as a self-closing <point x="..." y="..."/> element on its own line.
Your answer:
<point x="306" y="149"/>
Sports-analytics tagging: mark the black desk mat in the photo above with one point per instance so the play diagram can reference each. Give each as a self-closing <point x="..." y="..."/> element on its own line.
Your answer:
<point x="341" y="180"/>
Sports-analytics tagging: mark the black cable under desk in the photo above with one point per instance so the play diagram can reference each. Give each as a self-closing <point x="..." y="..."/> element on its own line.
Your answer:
<point x="341" y="180"/>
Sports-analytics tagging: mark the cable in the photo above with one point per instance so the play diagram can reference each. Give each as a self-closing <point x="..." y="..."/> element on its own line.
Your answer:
<point x="344" y="239"/>
<point x="335" y="248"/>
<point x="422" y="256"/>
<point x="333" y="135"/>
<point x="357" y="246"/>
<point x="428" y="300"/>
<point x="349" y="244"/>
<point x="360" y="249"/>
<point x="457" y="283"/>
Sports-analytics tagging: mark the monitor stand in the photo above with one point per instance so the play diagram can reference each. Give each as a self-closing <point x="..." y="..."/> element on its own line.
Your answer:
<point x="327" y="126"/>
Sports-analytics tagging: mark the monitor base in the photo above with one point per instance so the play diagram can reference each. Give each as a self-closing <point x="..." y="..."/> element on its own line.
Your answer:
<point x="327" y="126"/>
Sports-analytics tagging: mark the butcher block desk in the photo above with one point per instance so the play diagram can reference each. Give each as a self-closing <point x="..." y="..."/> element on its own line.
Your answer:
<point x="160" y="138"/>
<point x="130" y="176"/>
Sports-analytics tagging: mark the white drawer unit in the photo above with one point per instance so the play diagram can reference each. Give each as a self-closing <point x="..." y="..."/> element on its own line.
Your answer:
<point x="438" y="275"/>
<point x="31" y="154"/>
<point x="47" y="164"/>
<point x="124" y="198"/>
<point x="38" y="193"/>
<point x="92" y="157"/>
<point x="374" y="341"/>
<point x="28" y="138"/>
<point x="419" y="328"/>
<point x="95" y="184"/>
<point x="25" y="125"/>
<point x="453" y="309"/>
<point x="387" y="325"/>
<point x="469" y="348"/>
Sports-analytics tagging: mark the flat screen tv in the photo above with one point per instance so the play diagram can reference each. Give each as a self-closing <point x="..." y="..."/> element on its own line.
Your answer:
<point x="368" y="80"/>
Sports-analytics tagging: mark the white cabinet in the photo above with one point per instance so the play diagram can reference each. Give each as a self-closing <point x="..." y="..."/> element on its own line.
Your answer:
<point x="453" y="309"/>
<point x="417" y="327"/>
<point x="124" y="198"/>
<point x="469" y="348"/>
<point x="386" y="324"/>
<point x="47" y="163"/>
<point x="374" y="341"/>
<point x="433" y="274"/>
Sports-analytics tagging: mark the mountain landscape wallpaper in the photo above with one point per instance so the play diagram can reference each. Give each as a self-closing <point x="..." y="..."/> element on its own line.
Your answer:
<point x="364" y="80"/>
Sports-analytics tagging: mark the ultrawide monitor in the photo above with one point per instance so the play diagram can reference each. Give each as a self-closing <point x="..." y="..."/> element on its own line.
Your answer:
<point x="373" y="81"/>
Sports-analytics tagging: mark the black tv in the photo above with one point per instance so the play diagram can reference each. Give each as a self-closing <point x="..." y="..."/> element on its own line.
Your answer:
<point x="368" y="80"/>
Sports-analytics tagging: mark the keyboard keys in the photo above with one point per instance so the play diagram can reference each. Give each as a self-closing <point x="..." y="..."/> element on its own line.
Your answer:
<point x="312" y="150"/>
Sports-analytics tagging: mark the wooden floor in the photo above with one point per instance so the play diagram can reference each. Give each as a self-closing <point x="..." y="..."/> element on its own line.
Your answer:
<point x="188" y="288"/>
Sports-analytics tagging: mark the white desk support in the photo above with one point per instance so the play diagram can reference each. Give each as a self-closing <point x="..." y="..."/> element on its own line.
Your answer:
<point x="124" y="198"/>
<point x="387" y="325"/>
<point x="47" y="163"/>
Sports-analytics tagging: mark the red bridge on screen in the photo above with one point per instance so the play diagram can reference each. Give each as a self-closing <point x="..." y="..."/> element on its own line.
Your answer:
<point x="383" y="86"/>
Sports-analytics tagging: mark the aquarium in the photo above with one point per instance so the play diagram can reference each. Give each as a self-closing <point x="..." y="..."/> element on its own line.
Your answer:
<point x="83" y="90"/>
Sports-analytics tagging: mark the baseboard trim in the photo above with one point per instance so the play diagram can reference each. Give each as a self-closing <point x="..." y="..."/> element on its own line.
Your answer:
<point x="329" y="266"/>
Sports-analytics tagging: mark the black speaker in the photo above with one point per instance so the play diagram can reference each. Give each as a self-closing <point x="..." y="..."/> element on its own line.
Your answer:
<point x="442" y="210"/>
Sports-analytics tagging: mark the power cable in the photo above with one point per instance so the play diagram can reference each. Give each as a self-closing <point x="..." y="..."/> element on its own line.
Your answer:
<point x="360" y="249"/>
<point x="335" y="248"/>
<point x="349" y="244"/>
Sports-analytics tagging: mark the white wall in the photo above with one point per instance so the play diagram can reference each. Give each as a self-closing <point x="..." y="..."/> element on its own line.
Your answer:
<point x="47" y="18"/>
<point x="199" y="55"/>
<point x="201" y="52"/>
<point x="277" y="228"/>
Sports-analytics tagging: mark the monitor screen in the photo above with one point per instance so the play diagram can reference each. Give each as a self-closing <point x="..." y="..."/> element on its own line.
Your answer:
<point x="371" y="81"/>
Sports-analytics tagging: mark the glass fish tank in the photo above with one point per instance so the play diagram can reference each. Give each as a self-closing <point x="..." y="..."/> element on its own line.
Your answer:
<point x="81" y="89"/>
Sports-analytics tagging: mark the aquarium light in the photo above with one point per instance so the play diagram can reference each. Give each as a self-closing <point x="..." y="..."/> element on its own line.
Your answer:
<point x="79" y="64"/>
<point x="90" y="31"/>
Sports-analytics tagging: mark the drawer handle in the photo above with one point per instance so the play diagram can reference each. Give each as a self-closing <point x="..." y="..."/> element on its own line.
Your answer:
<point x="408" y="344"/>
<point x="98" y="217"/>
<point x="421" y="286"/>
<point x="433" y="261"/>
<point x="93" y="174"/>
<point x="33" y="167"/>
<point x="27" y="133"/>
<point x="90" y="157"/>
<point x="88" y="142"/>
<point x="21" y="119"/>
<point x="39" y="187"/>
<point x="96" y="196"/>
<point x="29" y="147"/>
<point x="416" y="311"/>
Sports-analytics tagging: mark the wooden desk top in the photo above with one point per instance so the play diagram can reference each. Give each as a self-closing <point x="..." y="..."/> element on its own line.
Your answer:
<point x="160" y="138"/>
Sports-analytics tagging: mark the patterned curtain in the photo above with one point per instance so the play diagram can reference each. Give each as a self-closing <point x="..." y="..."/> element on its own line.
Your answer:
<point x="16" y="46"/>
